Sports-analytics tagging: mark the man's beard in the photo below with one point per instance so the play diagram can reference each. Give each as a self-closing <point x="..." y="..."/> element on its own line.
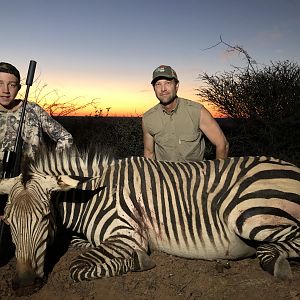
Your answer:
<point x="169" y="102"/>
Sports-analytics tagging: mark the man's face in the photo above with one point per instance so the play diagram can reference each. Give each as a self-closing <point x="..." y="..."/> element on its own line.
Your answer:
<point x="9" y="88"/>
<point x="166" y="90"/>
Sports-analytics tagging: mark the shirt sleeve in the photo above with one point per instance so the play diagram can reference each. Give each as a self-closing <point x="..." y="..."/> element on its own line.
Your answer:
<point x="55" y="130"/>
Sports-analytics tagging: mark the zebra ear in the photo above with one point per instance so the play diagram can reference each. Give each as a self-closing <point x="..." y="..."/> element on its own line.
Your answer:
<point x="65" y="183"/>
<point x="7" y="184"/>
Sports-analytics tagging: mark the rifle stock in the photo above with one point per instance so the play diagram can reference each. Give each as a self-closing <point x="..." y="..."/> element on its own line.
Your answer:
<point x="8" y="164"/>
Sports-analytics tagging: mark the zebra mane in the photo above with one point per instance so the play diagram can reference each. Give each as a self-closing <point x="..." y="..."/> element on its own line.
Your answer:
<point x="87" y="162"/>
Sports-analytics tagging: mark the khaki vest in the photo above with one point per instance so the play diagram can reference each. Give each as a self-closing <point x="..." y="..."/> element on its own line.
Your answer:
<point x="177" y="136"/>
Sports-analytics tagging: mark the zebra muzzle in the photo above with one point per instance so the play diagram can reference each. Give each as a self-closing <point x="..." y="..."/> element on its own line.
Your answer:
<point x="28" y="286"/>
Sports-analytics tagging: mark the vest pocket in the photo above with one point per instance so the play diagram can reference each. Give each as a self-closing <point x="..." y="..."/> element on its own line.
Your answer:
<point x="191" y="147"/>
<point x="161" y="140"/>
<point x="188" y="137"/>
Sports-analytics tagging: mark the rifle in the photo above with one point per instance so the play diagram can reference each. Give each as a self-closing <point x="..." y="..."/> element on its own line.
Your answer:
<point x="11" y="168"/>
<point x="12" y="159"/>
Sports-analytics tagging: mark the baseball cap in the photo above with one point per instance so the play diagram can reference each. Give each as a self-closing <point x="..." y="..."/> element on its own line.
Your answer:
<point x="8" y="68"/>
<point x="163" y="72"/>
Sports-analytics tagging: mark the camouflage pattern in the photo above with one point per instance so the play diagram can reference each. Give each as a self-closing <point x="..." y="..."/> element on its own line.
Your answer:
<point x="37" y="121"/>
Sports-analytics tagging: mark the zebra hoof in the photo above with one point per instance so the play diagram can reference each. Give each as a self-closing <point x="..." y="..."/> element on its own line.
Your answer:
<point x="282" y="269"/>
<point x="142" y="261"/>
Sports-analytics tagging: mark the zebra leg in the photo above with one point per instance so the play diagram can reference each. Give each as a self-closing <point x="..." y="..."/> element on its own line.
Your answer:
<point x="107" y="260"/>
<point x="78" y="242"/>
<point x="274" y="260"/>
<point x="278" y="244"/>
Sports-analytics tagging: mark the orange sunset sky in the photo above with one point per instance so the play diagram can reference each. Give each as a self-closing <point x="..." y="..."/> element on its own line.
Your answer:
<point x="123" y="97"/>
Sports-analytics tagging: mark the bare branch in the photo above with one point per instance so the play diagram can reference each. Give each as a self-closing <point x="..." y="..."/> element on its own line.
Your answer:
<point x="235" y="48"/>
<point x="57" y="105"/>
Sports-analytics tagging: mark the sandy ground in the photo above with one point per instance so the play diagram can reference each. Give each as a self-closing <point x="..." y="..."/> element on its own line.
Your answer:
<point x="172" y="278"/>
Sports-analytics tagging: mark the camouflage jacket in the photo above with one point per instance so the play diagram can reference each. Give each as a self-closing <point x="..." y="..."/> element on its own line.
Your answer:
<point x="37" y="121"/>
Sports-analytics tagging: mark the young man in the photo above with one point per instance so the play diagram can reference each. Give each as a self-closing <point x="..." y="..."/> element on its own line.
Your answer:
<point x="174" y="129"/>
<point x="36" y="122"/>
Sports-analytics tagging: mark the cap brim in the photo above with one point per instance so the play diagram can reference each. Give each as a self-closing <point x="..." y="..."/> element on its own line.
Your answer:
<point x="162" y="77"/>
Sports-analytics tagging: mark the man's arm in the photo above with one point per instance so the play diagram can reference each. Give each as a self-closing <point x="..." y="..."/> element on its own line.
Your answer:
<point x="148" y="143"/>
<point x="214" y="133"/>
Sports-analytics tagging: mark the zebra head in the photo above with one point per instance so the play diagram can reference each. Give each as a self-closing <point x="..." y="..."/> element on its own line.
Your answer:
<point x="28" y="213"/>
<point x="29" y="209"/>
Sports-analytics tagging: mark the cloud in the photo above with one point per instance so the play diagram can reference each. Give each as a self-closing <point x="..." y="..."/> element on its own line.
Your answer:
<point x="267" y="37"/>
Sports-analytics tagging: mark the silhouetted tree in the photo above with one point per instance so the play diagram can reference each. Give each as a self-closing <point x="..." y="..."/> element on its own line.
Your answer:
<point x="268" y="94"/>
<point x="265" y="99"/>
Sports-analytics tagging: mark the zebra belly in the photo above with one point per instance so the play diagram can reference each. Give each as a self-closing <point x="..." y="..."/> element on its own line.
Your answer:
<point x="235" y="248"/>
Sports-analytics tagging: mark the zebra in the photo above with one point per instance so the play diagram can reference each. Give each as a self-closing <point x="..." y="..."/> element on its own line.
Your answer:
<point x="226" y="209"/>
